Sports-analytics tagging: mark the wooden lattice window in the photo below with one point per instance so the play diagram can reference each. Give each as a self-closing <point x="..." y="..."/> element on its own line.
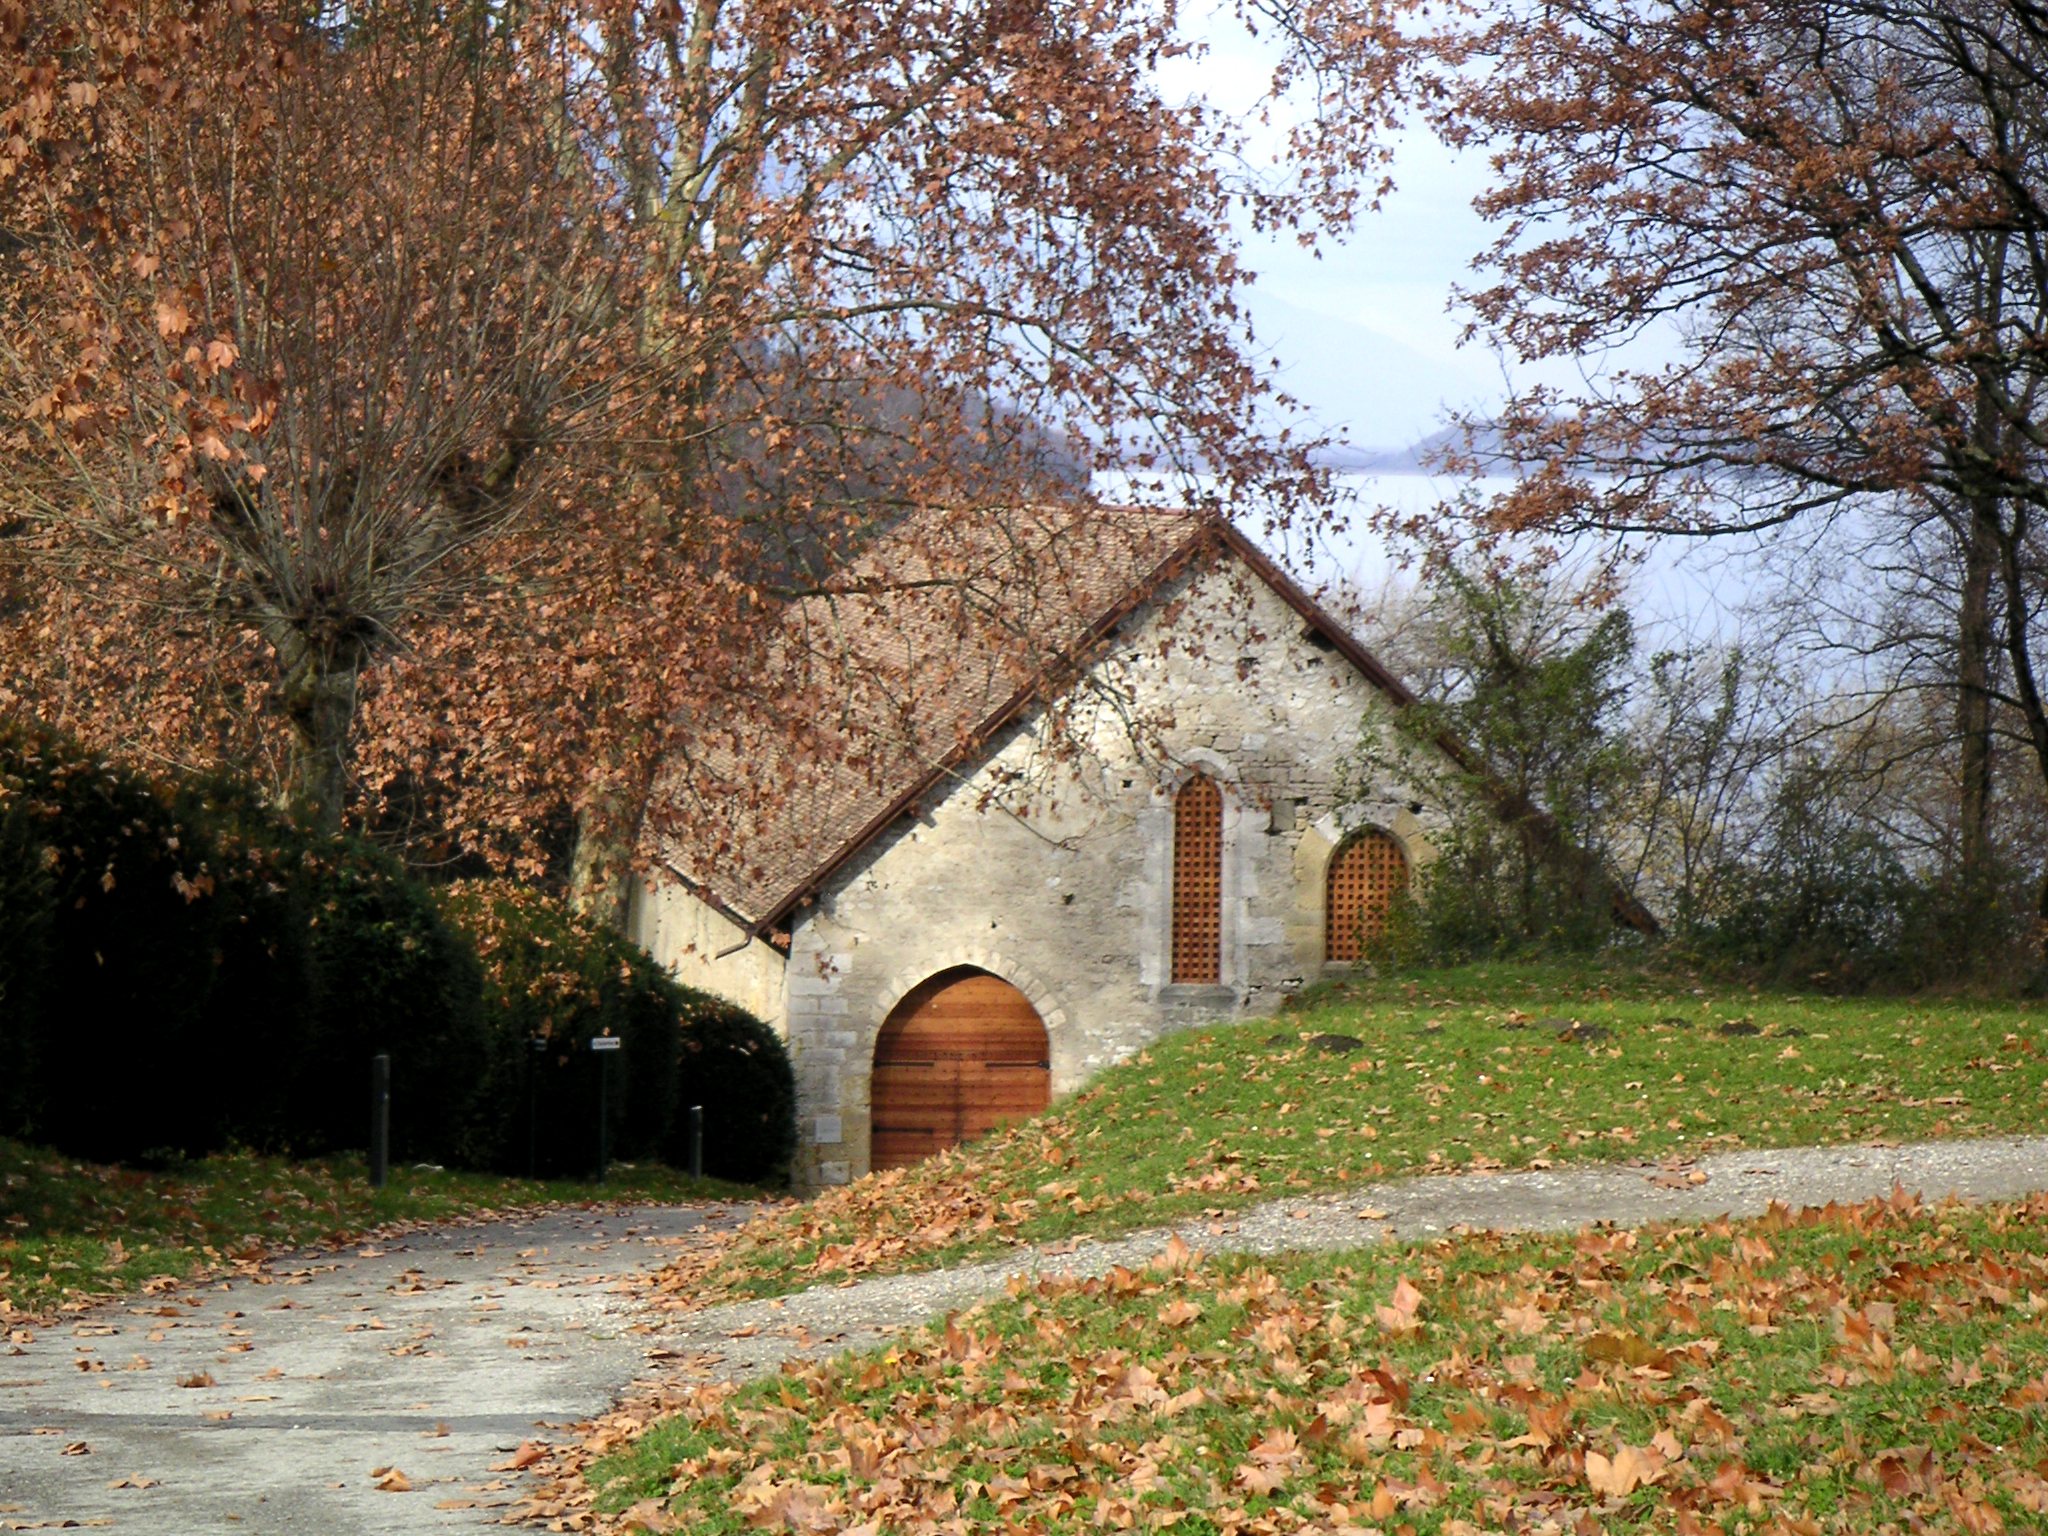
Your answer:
<point x="1198" y="882"/>
<point x="1366" y="874"/>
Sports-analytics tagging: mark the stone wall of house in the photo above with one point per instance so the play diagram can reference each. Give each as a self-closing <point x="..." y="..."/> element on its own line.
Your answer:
<point x="705" y="949"/>
<point x="1056" y="873"/>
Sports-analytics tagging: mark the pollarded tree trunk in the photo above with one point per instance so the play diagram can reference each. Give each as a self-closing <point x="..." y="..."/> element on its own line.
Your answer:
<point x="601" y="868"/>
<point x="320" y="684"/>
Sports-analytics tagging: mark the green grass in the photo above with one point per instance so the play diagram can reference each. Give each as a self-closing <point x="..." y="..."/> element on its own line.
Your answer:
<point x="1452" y="1072"/>
<point x="70" y="1231"/>
<point x="1863" y="1370"/>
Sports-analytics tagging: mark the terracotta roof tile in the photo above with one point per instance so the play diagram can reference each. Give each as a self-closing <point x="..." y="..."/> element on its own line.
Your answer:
<point x="899" y="670"/>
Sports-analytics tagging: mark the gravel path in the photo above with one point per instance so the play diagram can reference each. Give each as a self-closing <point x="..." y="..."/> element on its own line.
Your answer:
<point x="439" y="1354"/>
<point x="747" y="1338"/>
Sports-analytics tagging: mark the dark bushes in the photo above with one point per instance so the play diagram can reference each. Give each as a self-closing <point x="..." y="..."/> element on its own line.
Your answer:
<point x="558" y="980"/>
<point x="112" y="965"/>
<point x="182" y="969"/>
<point x="553" y="979"/>
<point x="736" y="1067"/>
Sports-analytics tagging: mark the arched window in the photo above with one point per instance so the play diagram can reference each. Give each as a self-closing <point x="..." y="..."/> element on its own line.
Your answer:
<point x="1198" y="882"/>
<point x="1366" y="874"/>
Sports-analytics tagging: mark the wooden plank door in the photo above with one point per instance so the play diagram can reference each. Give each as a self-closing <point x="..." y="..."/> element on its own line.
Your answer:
<point x="962" y="1054"/>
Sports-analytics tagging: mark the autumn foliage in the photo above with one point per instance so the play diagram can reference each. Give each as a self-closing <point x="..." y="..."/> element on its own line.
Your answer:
<point x="1827" y="1370"/>
<point x="425" y="409"/>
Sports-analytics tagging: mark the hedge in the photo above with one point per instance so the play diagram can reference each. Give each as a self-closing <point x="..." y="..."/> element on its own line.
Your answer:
<point x="558" y="981"/>
<point x="181" y="969"/>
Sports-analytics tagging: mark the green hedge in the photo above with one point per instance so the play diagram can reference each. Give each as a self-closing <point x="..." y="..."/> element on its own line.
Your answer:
<point x="181" y="969"/>
<point x="555" y="979"/>
<point x="185" y="970"/>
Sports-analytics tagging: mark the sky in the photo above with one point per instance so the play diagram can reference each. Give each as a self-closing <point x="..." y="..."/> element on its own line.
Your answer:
<point x="1362" y="331"/>
<point x="1367" y="339"/>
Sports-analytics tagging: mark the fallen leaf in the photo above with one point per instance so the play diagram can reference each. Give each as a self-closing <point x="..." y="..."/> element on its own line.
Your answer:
<point x="1626" y="1471"/>
<point x="1400" y="1316"/>
<point x="76" y="1448"/>
<point x="390" y="1480"/>
<point x="1525" y="1322"/>
<point x="197" y="1379"/>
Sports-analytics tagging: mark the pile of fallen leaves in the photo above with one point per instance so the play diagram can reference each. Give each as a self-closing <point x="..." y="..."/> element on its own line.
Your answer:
<point x="1853" y="1369"/>
<point x="1209" y="1120"/>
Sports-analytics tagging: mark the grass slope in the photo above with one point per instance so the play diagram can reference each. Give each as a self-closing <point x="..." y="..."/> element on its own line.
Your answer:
<point x="1459" y="1069"/>
<point x="1855" y="1370"/>
<point x="70" y="1231"/>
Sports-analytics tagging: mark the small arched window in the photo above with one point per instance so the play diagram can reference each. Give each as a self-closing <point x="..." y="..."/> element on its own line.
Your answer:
<point x="1198" y="882"/>
<point x="1366" y="874"/>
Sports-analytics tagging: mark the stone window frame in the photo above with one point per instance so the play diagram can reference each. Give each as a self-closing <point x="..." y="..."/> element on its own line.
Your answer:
<point x="1331" y="832"/>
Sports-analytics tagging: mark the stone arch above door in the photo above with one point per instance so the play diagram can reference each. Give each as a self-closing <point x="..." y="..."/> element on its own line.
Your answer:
<point x="961" y="1053"/>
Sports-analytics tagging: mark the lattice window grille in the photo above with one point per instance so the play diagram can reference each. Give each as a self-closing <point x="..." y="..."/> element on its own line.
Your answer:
<point x="1366" y="874"/>
<point x="1198" y="883"/>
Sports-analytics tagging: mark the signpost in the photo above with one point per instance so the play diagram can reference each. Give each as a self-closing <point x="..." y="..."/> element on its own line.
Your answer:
<point x="604" y="1045"/>
<point x="537" y="1048"/>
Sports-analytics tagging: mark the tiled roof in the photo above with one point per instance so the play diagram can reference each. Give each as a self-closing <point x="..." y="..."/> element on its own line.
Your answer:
<point x="899" y="670"/>
<point x="888" y="683"/>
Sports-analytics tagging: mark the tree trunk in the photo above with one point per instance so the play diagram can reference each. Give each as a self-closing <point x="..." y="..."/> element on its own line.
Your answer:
<point x="1974" y="646"/>
<point x="320" y="686"/>
<point x="601" y="869"/>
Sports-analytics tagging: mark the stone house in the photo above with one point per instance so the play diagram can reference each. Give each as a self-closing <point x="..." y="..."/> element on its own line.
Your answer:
<point x="1081" y="795"/>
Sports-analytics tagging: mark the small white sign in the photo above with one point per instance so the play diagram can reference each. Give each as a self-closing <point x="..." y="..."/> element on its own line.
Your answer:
<point x="604" y="1042"/>
<point x="828" y="1130"/>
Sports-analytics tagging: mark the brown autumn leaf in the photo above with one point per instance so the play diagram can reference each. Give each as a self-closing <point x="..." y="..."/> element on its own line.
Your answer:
<point x="1629" y="1349"/>
<point x="1620" y="1475"/>
<point x="389" y="1480"/>
<point x="1179" y="1313"/>
<point x="1400" y="1314"/>
<point x="528" y="1453"/>
<point x="198" y="1379"/>
<point x="1549" y="1424"/>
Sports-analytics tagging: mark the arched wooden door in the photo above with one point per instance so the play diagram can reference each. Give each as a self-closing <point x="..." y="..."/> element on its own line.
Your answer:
<point x="961" y="1054"/>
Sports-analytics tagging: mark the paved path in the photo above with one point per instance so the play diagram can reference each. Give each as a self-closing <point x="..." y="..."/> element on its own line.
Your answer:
<point x="437" y="1354"/>
<point x="747" y="1338"/>
<point x="441" y="1354"/>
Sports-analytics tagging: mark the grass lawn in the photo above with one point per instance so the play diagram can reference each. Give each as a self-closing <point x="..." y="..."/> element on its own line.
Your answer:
<point x="1871" y="1369"/>
<point x="1451" y="1070"/>
<point x="70" y="1231"/>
